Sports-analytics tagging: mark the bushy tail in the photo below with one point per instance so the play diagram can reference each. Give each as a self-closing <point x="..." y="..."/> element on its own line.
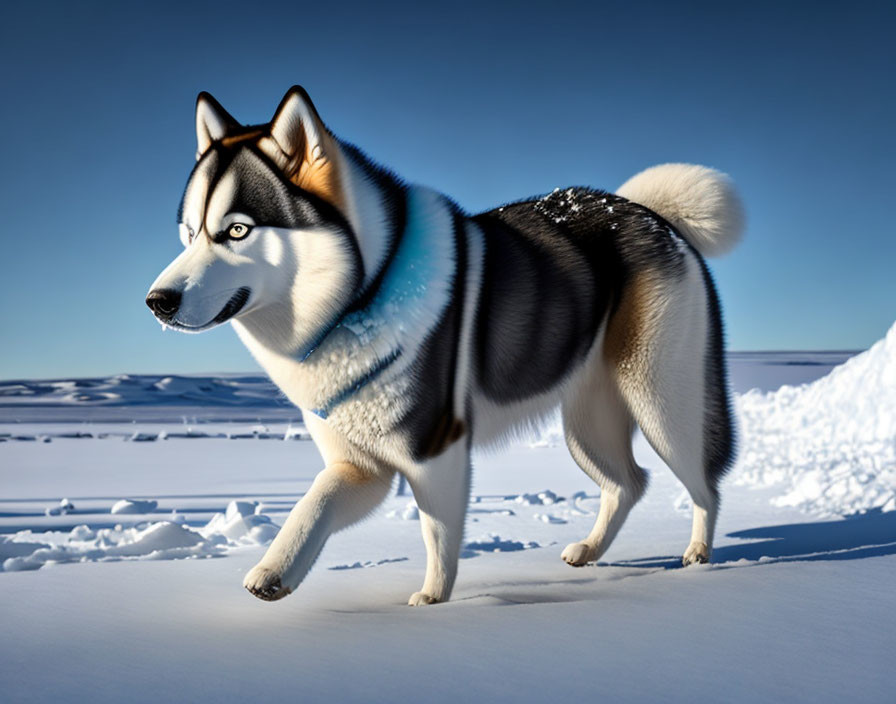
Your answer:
<point x="700" y="202"/>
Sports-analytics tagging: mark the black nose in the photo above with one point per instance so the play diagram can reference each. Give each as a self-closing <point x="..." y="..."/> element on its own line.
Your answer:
<point x="163" y="302"/>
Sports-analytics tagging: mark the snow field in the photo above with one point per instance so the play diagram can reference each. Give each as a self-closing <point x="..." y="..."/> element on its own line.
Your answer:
<point x="793" y="607"/>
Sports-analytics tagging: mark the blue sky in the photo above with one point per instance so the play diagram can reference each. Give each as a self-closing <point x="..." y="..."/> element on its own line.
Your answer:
<point x="486" y="103"/>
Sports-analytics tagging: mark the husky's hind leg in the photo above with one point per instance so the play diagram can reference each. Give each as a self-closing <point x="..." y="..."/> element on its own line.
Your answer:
<point x="340" y="495"/>
<point x="598" y="430"/>
<point x="442" y="489"/>
<point x="665" y="342"/>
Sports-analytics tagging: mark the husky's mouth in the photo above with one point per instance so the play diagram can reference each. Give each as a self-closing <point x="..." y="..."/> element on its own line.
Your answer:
<point x="233" y="306"/>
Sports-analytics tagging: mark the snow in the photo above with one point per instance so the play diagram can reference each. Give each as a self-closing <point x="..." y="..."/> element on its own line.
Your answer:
<point x="408" y="513"/>
<point x="145" y="397"/>
<point x="242" y="523"/>
<point x="132" y="506"/>
<point x="831" y="444"/>
<point x="797" y="605"/>
<point x="64" y="506"/>
<point x="542" y="498"/>
<point x="161" y="540"/>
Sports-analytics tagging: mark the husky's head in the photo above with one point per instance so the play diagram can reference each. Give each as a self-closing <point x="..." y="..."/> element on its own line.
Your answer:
<point x="263" y="226"/>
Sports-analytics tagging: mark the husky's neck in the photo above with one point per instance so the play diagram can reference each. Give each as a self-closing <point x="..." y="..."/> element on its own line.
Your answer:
<point x="410" y="243"/>
<point x="375" y="207"/>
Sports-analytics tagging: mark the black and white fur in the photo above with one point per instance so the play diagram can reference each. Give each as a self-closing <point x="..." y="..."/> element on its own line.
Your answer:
<point x="408" y="331"/>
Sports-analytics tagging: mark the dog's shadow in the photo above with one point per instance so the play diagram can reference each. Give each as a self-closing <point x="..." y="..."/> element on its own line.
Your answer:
<point x="871" y="534"/>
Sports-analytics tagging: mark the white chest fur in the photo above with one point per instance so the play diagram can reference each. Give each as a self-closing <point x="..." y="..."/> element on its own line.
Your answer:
<point x="357" y="378"/>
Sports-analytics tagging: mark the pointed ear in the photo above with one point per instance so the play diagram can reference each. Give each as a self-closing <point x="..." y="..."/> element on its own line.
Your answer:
<point x="303" y="148"/>
<point x="297" y="128"/>
<point x="212" y="122"/>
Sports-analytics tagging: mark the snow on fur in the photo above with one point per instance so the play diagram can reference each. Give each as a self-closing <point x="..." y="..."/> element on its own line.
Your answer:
<point x="700" y="202"/>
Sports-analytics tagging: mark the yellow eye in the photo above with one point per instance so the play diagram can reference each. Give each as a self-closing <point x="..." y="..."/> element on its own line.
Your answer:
<point x="238" y="230"/>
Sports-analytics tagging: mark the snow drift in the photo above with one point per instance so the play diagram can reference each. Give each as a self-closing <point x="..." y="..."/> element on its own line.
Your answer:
<point x="831" y="443"/>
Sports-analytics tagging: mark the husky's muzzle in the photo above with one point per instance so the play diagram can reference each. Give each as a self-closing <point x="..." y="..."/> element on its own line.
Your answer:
<point x="165" y="302"/>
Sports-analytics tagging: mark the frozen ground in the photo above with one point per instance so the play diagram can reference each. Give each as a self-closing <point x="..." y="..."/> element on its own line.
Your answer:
<point x="798" y="605"/>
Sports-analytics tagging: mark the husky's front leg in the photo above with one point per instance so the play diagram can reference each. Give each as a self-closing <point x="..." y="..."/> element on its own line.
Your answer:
<point x="442" y="490"/>
<point x="340" y="495"/>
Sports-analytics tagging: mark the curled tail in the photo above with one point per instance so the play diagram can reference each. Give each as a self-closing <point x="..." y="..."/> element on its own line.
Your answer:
<point x="699" y="202"/>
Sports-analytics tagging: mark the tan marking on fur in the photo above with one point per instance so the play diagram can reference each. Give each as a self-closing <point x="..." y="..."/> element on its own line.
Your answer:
<point x="234" y="139"/>
<point x="317" y="174"/>
<point x="447" y="432"/>
<point x="350" y="473"/>
<point x="629" y="329"/>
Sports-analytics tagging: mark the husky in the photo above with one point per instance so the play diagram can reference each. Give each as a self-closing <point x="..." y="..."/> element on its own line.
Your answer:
<point x="409" y="331"/>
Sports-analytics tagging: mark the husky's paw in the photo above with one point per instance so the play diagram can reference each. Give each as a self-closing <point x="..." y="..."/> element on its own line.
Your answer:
<point x="264" y="583"/>
<point x="578" y="554"/>
<point x="421" y="599"/>
<point x="697" y="553"/>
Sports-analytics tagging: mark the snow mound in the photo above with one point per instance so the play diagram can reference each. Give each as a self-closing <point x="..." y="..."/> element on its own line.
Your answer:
<point x="159" y="541"/>
<point x="65" y="506"/>
<point x="831" y="443"/>
<point x="551" y="518"/>
<point x="241" y="524"/>
<point x="131" y="506"/>
<point x="542" y="498"/>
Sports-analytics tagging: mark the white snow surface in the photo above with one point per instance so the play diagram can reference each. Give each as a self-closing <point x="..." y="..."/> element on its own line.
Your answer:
<point x="796" y="606"/>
